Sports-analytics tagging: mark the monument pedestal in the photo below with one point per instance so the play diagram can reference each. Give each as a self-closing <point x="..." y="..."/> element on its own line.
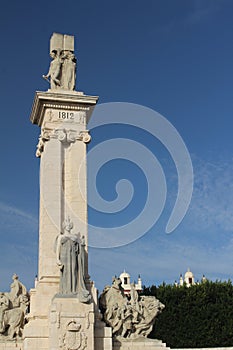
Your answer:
<point x="71" y="324"/>
<point x="64" y="322"/>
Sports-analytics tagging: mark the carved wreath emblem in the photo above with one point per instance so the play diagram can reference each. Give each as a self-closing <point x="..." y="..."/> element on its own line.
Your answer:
<point x="74" y="338"/>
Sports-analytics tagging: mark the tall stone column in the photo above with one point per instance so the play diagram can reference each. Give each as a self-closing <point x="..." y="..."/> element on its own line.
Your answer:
<point x="62" y="117"/>
<point x="63" y="120"/>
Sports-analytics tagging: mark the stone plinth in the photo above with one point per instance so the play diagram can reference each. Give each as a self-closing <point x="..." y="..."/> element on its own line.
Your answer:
<point x="103" y="336"/>
<point x="71" y="324"/>
<point x="11" y="345"/>
<point x="138" y="344"/>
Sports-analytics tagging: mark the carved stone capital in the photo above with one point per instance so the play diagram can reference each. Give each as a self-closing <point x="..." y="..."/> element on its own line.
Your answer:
<point x="60" y="134"/>
<point x="63" y="135"/>
<point x="71" y="136"/>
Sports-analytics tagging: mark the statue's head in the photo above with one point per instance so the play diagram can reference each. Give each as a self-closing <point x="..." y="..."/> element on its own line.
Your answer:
<point x="15" y="277"/>
<point x="116" y="281"/>
<point x="67" y="224"/>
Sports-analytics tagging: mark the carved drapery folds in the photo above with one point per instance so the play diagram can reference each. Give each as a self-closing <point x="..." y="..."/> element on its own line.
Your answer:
<point x="70" y="254"/>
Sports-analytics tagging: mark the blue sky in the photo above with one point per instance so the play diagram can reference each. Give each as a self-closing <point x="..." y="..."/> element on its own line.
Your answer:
<point x="175" y="57"/>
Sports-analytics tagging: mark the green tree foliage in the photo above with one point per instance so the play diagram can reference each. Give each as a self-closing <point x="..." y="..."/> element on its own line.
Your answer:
<point x="198" y="316"/>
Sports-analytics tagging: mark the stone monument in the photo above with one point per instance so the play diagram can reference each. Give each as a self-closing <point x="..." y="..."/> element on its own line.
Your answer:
<point x="64" y="309"/>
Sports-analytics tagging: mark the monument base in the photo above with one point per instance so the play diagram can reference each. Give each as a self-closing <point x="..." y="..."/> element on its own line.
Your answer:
<point x="63" y="322"/>
<point x="11" y="345"/>
<point x="76" y="325"/>
<point x="138" y="344"/>
<point x="71" y="324"/>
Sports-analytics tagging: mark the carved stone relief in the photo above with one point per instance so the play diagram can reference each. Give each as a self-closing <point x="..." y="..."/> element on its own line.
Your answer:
<point x="74" y="337"/>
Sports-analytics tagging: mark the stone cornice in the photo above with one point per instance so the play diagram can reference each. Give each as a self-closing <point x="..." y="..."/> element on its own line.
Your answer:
<point x="71" y="100"/>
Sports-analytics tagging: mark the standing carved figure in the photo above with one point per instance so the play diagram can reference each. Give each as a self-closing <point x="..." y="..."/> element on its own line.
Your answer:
<point x="68" y="71"/>
<point x="70" y="259"/>
<point x="67" y="259"/>
<point x="18" y="290"/>
<point x="62" y="70"/>
<point x="54" y="72"/>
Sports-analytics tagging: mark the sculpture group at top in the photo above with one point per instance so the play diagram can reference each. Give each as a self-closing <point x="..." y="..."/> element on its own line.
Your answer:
<point x="129" y="318"/>
<point x="62" y="70"/>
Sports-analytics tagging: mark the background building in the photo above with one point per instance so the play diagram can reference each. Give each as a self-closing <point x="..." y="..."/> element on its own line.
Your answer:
<point x="126" y="284"/>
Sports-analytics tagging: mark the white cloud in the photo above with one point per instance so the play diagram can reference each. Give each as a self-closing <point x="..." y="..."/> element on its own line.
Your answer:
<point x="203" y="241"/>
<point x="197" y="11"/>
<point x="9" y="210"/>
<point x="200" y="9"/>
<point x="212" y="205"/>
